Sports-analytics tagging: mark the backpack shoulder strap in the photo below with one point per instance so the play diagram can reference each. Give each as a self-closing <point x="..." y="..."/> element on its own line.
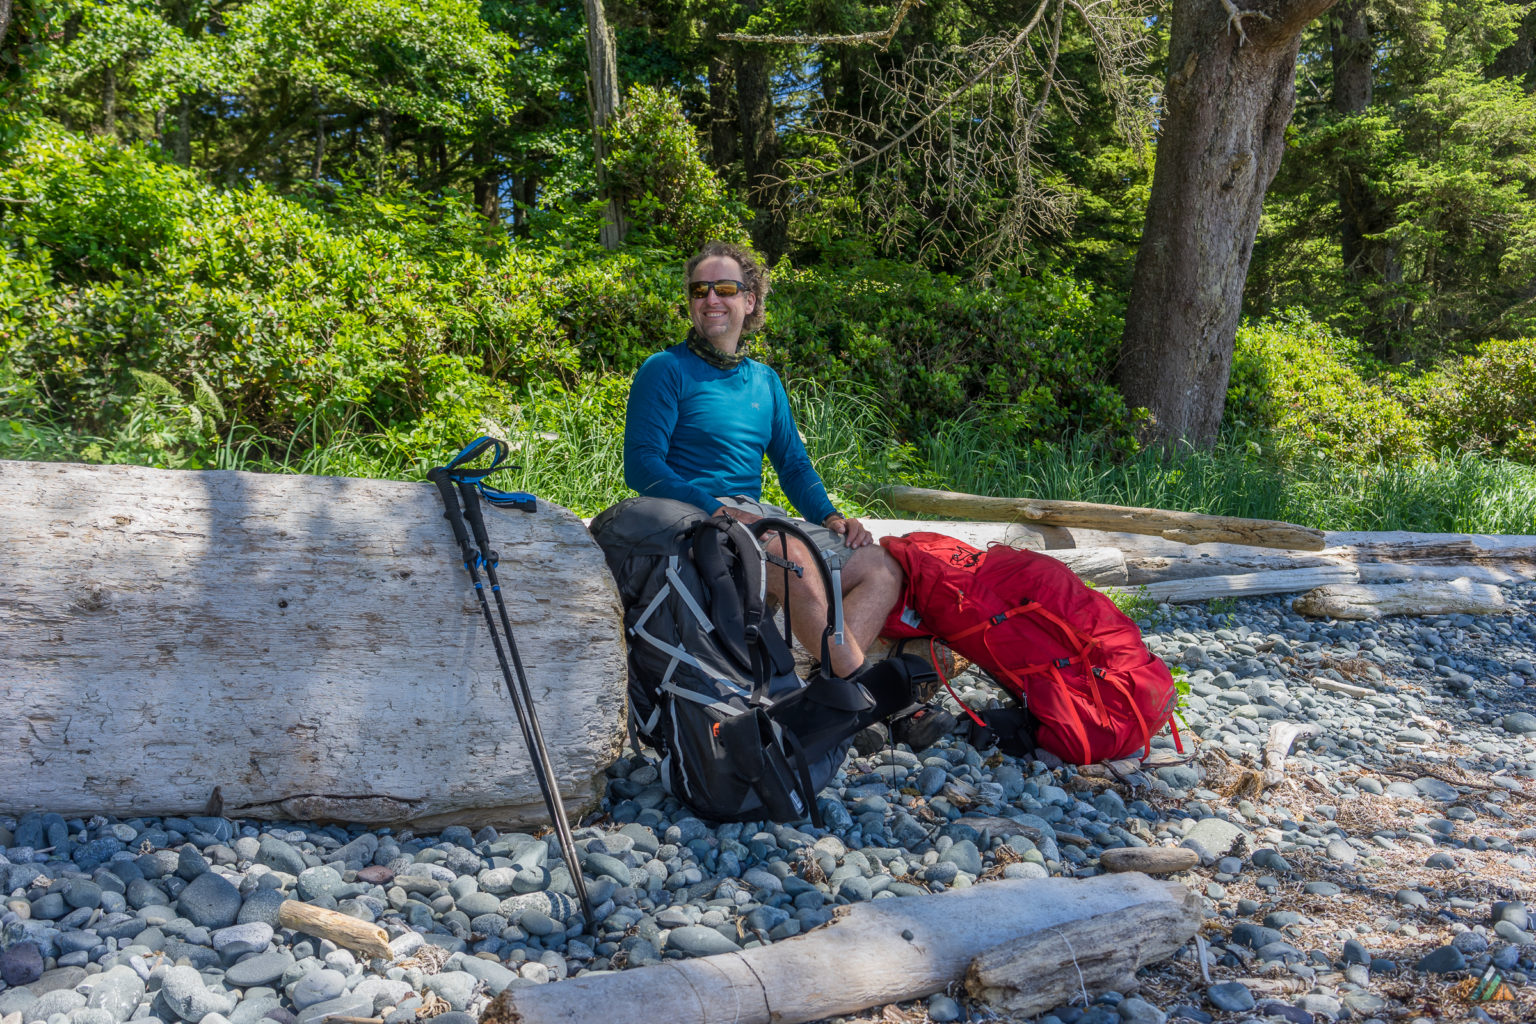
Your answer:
<point x="736" y="604"/>
<point x="831" y="576"/>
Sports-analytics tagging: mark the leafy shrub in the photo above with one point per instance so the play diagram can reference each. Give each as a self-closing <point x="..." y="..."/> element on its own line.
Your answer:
<point x="377" y="313"/>
<point x="1300" y="380"/>
<point x="1484" y="402"/>
<point x="1029" y="356"/>
<point x="671" y="196"/>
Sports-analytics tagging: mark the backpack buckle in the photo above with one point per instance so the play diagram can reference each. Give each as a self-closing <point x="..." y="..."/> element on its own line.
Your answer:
<point x="999" y="618"/>
<point x="1063" y="662"/>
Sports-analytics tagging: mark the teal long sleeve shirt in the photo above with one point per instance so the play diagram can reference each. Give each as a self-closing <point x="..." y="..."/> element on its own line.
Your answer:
<point x="692" y="432"/>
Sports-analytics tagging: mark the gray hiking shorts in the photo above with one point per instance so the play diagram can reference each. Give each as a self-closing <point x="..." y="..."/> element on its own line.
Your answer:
<point x="833" y="544"/>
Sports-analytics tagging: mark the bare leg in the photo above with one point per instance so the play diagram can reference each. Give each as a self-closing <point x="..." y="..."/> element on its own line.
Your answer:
<point x="872" y="583"/>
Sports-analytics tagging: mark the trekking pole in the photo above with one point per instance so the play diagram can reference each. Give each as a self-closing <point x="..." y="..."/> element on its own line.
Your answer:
<point x="527" y="716"/>
<point x="552" y="802"/>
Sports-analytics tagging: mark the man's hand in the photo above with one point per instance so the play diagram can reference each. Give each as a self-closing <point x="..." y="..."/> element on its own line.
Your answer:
<point x="852" y="530"/>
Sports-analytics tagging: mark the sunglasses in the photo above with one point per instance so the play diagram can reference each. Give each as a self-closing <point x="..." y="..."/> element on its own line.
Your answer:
<point x="724" y="289"/>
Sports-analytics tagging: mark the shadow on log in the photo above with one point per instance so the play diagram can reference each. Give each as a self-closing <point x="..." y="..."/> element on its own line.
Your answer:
<point x="308" y="645"/>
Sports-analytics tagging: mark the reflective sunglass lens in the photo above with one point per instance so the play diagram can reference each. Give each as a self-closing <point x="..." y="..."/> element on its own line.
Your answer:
<point x="724" y="289"/>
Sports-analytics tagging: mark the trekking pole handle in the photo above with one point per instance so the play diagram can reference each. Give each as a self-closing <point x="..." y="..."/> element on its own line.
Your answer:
<point x="439" y="476"/>
<point x="476" y="519"/>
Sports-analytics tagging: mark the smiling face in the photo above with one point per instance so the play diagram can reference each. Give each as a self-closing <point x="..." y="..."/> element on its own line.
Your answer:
<point x="719" y="320"/>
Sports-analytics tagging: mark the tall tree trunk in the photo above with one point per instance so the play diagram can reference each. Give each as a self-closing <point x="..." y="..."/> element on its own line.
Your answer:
<point x="386" y="125"/>
<point x="5" y="19"/>
<point x="603" y="106"/>
<point x="724" y="129"/>
<point x="1370" y="260"/>
<point x="487" y="180"/>
<point x="1518" y="59"/>
<point x="1226" y="107"/>
<point x="525" y="190"/>
<point x="183" y="143"/>
<point x="317" y="160"/>
<point x="760" y="149"/>
<point x="109" y="101"/>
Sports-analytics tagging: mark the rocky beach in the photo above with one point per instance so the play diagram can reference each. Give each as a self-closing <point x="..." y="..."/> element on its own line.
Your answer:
<point x="1377" y="875"/>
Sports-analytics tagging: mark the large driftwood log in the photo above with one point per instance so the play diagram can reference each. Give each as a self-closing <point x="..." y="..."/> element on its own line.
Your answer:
<point x="884" y="951"/>
<point x="1430" y="547"/>
<point x="1144" y="568"/>
<point x="310" y="645"/>
<point x="1282" y="581"/>
<point x="1185" y="527"/>
<point x="1379" y="600"/>
<point x="1511" y="573"/>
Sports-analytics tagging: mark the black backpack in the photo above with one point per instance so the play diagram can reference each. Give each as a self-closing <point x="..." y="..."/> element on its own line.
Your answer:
<point x="712" y="682"/>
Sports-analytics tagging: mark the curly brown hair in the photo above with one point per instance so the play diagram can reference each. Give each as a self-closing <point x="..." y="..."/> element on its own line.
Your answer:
<point x="753" y="274"/>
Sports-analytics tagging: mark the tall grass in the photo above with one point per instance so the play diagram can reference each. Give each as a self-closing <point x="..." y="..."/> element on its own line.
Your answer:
<point x="1449" y="493"/>
<point x="568" y="448"/>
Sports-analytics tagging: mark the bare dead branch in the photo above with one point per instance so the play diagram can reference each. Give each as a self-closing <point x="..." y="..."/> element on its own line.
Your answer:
<point x="881" y="38"/>
<point x="947" y="149"/>
<point x="943" y="104"/>
<point x="1235" y="18"/>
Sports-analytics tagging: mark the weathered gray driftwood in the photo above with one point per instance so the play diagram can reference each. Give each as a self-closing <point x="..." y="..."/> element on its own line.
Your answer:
<point x="310" y="645"/>
<point x="342" y="929"/>
<point x="1375" y="601"/>
<point x="1141" y="568"/>
<point x="1185" y="527"/>
<point x="1509" y="574"/>
<point x="1280" y="581"/>
<point x="1034" y="972"/>
<point x="1399" y="546"/>
<point x="890" y="950"/>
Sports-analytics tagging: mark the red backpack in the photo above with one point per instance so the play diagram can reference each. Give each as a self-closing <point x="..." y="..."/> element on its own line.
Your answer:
<point x="1076" y="661"/>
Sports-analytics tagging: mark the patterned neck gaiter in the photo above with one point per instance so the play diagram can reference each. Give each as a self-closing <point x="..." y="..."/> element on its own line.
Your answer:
<point x="713" y="356"/>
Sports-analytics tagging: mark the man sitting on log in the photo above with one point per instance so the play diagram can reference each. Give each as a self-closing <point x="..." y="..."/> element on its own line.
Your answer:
<point x="702" y="414"/>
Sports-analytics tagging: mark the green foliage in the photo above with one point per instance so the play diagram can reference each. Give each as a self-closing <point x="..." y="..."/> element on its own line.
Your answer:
<point x="1300" y="380"/>
<point x="1030" y="356"/>
<point x="671" y="197"/>
<point x="384" y="310"/>
<point x="1484" y="402"/>
<point x="1443" y="162"/>
<point x="96" y="210"/>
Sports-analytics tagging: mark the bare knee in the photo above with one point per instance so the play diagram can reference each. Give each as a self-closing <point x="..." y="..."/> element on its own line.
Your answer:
<point x="873" y="565"/>
<point x="804" y="577"/>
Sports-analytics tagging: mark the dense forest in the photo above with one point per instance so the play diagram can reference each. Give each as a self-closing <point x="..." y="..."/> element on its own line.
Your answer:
<point x="1275" y="261"/>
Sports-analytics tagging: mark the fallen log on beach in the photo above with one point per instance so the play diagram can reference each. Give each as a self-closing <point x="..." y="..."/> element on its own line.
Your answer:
<point x="1019" y="943"/>
<point x="1184" y="527"/>
<point x="310" y="646"/>
<point x="1281" y="581"/>
<point x="1377" y="601"/>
